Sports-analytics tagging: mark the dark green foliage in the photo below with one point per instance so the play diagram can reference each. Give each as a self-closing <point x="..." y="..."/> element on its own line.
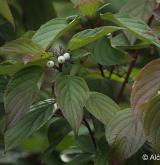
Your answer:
<point x="83" y="89"/>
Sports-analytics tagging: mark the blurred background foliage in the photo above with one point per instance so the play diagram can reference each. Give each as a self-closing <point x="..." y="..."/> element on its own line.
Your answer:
<point x="28" y="16"/>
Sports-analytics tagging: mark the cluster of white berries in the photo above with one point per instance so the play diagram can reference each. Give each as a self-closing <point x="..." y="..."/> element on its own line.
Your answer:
<point x="61" y="60"/>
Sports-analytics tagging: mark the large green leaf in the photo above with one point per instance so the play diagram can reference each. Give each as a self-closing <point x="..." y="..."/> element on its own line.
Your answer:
<point x="20" y="93"/>
<point x="105" y="54"/>
<point x="151" y="115"/>
<point x="87" y="36"/>
<point x="139" y="9"/>
<point x="71" y="95"/>
<point x="38" y="115"/>
<point x="11" y="67"/>
<point x="135" y="26"/>
<point x="21" y="46"/>
<point x="124" y="134"/>
<point x="121" y="41"/>
<point x="5" y="11"/>
<point x="53" y="30"/>
<point x="146" y="85"/>
<point x="79" y="54"/>
<point x="101" y="107"/>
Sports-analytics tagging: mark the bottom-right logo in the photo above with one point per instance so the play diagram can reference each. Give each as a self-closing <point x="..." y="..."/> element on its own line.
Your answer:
<point x="151" y="157"/>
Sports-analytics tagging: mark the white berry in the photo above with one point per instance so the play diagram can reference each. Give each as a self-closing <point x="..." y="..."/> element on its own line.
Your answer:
<point x="61" y="59"/>
<point x="50" y="64"/>
<point x="66" y="56"/>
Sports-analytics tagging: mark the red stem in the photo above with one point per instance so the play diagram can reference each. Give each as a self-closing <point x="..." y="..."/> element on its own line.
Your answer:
<point x="133" y="63"/>
<point x="111" y="71"/>
<point x="90" y="132"/>
<point x="150" y="20"/>
<point x="101" y="70"/>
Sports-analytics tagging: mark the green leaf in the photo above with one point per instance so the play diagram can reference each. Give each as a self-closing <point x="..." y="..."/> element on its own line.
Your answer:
<point x="151" y="115"/>
<point x="81" y="159"/>
<point x="101" y="107"/>
<point x="53" y="30"/>
<point x="5" y="11"/>
<point x="20" y="93"/>
<point x="57" y="131"/>
<point x="3" y="85"/>
<point x="51" y="157"/>
<point x="124" y="135"/>
<point x="6" y="32"/>
<point x="11" y="157"/>
<point x="146" y="85"/>
<point x="87" y="36"/>
<point x="105" y="54"/>
<point x="101" y="85"/>
<point x="10" y="68"/>
<point x="135" y="26"/>
<point x="87" y="8"/>
<point x="75" y="2"/>
<point x="78" y="54"/>
<point x="29" y="34"/>
<point x="85" y="143"/>
<point x="33" y="120"/>
<point x="90" y="9"/>
<point x="21" y="46"/>
<point x="101" y="159"/>
<point x="139" y="9"/>
<point x="121" y="41"/>
<point x="71" y="95"/>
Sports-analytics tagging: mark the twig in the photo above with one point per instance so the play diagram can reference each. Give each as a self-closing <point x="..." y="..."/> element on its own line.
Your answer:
<point x="56" y="67"/>
<point x="150" y="20"/>
<point x="111" y="71"/>
<point x="90" y="132"/>
<point x="133" y="63"/>
<point x="101" y="70"/>
<point x="53" y="86"/>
